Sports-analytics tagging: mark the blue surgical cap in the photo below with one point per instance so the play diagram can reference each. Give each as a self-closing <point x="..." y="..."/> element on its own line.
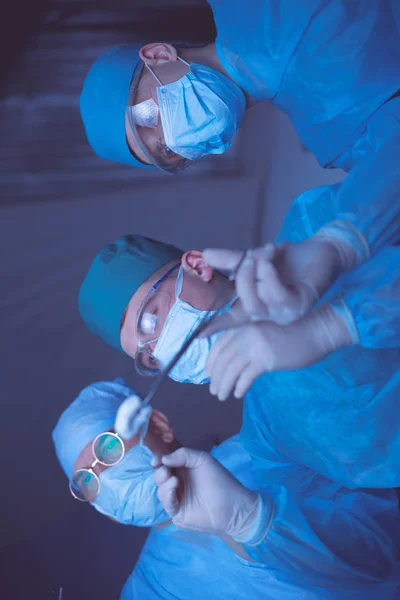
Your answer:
<point x="103" y="104"/>
<point x="91" y="413"/>
<point x="116" y="273"/>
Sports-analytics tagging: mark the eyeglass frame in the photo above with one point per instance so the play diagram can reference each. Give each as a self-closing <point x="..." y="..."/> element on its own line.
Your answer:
<point x="153" y="290"/>
<point x="97" y="462"/>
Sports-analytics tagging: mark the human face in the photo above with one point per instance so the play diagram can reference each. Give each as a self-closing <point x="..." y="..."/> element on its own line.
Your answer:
<point x="159" y="438"/>
<point x="165" y="300"/>
<point x="152" y="149"/>
<point x="201" y="287"/>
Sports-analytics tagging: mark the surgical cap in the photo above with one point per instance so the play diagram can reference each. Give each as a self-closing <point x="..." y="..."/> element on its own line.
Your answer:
<point x="103" y="104"/>
<point x="91" y="413"/>
<point x="115" y="275"/>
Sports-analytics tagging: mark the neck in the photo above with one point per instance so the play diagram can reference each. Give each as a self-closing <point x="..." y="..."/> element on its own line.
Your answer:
<point x="207" y="55"/>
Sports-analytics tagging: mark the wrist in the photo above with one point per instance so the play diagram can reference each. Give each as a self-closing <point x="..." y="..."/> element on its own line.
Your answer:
<point x="257" y="523"/>
<point x="351" y="246"/>
<point x="331" y="331"/>
<point x="345" y="325"/>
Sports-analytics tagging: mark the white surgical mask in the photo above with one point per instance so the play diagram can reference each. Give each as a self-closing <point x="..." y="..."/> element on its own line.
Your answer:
<point x="181" y="321"/>
<point x="200" y="112"/>
<point x="128" y="492"/>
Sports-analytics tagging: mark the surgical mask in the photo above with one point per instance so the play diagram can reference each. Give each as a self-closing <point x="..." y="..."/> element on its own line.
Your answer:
<point x="128" y="491"/>
<point x="200" y="112"/>
<point x="181" y="321"/>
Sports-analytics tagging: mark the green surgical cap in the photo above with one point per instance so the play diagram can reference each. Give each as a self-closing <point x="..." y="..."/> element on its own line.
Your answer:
<point x="116" y="273"/>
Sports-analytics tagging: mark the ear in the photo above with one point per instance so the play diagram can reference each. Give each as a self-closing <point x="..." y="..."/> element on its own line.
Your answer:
<point x="160" y="426"/>
<point x="157" y="53"/>
<point x="194" y="264"/>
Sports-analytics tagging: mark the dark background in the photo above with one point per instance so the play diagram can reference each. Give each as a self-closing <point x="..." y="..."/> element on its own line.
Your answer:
<point x="59" y="204"/>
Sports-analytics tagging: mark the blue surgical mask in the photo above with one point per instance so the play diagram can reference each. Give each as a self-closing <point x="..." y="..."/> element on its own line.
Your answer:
<point x="200" y="112"/>
<point x="181" y="321"/>
<point x="128" y="492"/>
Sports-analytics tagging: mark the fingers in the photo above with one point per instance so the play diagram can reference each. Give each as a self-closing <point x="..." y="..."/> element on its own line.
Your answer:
<point x="247" y="289"/>
<point x="285" y="304"/>
<point x="168" y="496"/>
<point x="245" y="380"/>
<point x="226" y="385"/>
<point x="184" y="457"/>
<point x="222" y="259"/>
<point x="162" y="475"/>
<point x="235" y="317"/>
<point x="240" y="356"/>
<point x="218" y="359"/>
<point x="226" y="363"/>
<point x="156" y="461"/>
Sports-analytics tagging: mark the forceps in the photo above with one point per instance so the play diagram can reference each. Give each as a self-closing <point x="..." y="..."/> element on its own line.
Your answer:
<point x="163" y="376"/>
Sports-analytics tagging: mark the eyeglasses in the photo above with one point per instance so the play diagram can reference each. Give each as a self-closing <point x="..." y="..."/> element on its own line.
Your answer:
<point x="144" y="121"/>
<point x="149" y="325"/>
<point x="108" y="449"/>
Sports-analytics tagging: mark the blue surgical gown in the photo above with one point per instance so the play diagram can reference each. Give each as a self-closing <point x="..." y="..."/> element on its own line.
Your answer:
<point x="334" y="67"/>
<point x="325" y="542"/>
<point x="328" y="64"/>
<point x="339" y="417"/>
<point x="371" y="291"/>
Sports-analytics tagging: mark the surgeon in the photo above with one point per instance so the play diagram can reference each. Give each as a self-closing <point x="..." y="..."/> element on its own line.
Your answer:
<point x="114" y="475"/>
<point x="177" y="562"/>
<point x="145" y="298"/>
<point x="335" y="416"/>
<point x="166" y="106"/>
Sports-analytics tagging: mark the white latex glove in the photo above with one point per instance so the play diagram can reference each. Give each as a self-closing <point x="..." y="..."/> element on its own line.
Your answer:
<point x="241" y="355"/>
<point x="280" y="282"/>
<point x="199" y="493"/>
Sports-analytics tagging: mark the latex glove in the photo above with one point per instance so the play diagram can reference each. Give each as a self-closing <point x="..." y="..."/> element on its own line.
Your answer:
<point x="199" y="493"/>
<point x="241" y="355"/>
<point x="280" y="282"/>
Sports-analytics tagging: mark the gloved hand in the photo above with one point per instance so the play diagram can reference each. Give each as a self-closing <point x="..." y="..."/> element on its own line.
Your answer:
<point x="280" y="282"/>
<point x="200" y="494"/>
<point x="241" y="355"/>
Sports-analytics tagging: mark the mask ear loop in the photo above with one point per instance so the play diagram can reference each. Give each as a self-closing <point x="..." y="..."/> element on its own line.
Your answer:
<point x="155" y="76"/>
<point x="179" y="283"/>
<point x="152" y="72"/>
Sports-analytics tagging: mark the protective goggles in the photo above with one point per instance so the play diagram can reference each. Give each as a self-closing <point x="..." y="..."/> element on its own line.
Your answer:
<point x="149" y="325"/>
<point x="108" y="449"/>
<point x="144" y="120"/>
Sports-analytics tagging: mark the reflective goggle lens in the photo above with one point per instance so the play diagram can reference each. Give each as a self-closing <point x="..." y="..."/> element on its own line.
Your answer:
<point x="108" y="449"/>
<point x="147" y="365"/>
<point x="84" y="485"/>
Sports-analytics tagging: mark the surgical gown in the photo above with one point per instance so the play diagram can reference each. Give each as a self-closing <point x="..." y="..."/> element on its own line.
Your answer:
<point x="328" y="64"/>
<point x="333" y="67"/>
<point x="316" y="551"/>
<point x="339" y="417"/>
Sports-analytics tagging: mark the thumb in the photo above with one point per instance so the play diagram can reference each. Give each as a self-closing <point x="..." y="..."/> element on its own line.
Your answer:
<point x="184" y="457"/>
<point x="234" y="317"/>
<point x="222" y="259"/>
